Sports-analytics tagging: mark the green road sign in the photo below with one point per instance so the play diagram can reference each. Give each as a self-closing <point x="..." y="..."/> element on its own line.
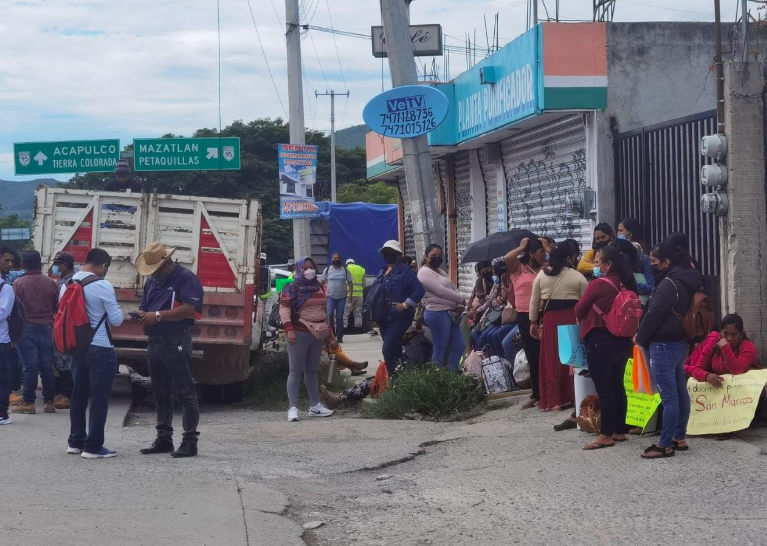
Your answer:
<point x="75" y="156"/>
<point x="186" y="154"/>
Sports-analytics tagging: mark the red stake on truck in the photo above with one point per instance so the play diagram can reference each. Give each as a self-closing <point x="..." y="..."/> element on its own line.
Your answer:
<point x="218" y="239"/>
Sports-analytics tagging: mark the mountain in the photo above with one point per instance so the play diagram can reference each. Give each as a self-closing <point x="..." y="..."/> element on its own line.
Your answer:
<point x="352" y="137"/>
<point x="19" y="197"/>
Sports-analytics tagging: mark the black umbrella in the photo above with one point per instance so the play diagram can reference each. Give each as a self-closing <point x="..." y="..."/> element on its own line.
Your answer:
<point x="496" y="245"/>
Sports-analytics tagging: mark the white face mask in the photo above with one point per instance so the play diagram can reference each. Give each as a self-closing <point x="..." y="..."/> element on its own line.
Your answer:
<point x="310" y="274"/>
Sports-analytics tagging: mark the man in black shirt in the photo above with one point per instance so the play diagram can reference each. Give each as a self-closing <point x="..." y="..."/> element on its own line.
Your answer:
<point x="123" y="180"/>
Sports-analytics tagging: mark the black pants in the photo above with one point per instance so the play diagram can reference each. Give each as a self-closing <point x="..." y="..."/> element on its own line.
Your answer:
<point x="5" y="378"/>
<point x="607" y="356"/>
<point x="64" y="383"/>
<point x="532" y="349"/>
<point x="14" y="368"/>
<point x="94" y="374"/>
<point x="170" y="368"/>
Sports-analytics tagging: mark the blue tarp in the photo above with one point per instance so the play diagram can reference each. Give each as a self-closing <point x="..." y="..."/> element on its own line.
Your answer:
<point x="358" y="230"/>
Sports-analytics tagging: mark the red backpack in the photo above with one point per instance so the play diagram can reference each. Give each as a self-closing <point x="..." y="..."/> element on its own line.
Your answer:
<point x="72" y="331"/>
<point x="622" y="320"/>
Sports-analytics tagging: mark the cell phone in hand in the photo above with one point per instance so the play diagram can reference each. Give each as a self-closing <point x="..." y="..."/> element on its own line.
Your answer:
<point x="134" y="315"/>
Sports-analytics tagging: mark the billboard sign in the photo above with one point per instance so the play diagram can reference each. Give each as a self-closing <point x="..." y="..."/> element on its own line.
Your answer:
<point x="298" y="174"/>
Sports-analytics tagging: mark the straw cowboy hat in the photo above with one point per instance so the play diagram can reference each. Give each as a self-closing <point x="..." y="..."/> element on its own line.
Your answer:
<point x="154" y="256"/>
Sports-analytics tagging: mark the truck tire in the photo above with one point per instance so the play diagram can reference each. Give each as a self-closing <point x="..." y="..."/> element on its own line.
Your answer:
<point x="222" y="394"/>
<point x="233" y="392"/>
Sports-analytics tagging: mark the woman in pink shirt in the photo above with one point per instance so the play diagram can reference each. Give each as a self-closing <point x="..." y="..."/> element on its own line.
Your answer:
<point x="727" y="352"/>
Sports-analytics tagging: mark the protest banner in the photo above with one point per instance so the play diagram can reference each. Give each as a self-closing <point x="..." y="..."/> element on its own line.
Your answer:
<point x="641" y="407"/>
<point x="731" y="407"/>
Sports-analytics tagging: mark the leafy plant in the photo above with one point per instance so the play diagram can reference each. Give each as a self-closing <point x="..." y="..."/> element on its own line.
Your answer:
<point x="380" y="193"/>
<point x="431" y="390"/>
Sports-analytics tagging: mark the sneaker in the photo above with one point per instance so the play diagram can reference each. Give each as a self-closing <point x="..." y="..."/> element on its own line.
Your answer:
<point x="15" y="398"/>
<point x="74" y="451"/>
<point x="293" y="415"/>
<point x="102" y="453"/>
<point x="24" y="407"/>
<point x="62" y="403"/>
<point x="320" y="411"/>
<point x="49" y="407"/>
<point x="186" y="449"/>
<point x="160" y="445"/>
<point x="5" y="420"/>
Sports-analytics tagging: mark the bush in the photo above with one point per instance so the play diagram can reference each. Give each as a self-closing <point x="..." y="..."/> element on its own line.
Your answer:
<point x="266" y="386"/>
<point x="431" y="390"/>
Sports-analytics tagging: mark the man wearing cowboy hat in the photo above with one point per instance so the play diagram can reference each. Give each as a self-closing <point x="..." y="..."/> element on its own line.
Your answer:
<point x="172" y="298"/>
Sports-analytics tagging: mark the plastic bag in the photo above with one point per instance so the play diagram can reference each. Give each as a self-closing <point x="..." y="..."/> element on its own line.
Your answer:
<point x="572" y="351"/>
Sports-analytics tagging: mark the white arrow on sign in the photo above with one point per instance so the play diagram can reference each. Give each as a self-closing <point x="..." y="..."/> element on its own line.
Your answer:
<point x="40" y="158"/>
<point x="212" y="153"/>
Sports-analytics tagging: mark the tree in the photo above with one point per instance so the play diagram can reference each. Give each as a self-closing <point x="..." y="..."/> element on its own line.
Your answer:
<point x="13" y="221"/>
<point x="257" y="177"/>
<point x="380" y="193"/>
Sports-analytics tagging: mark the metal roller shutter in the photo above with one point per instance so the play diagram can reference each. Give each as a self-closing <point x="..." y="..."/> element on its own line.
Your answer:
<point x="491" y="187"/>
<point x="409" y="249"/>
<point x="544" y="167"/>
<point x="464" y="211"/>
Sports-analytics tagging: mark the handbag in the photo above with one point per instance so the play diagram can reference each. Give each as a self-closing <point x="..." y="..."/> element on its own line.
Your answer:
<point x="376" y="308"/>
<point x="543" y="311"/>
<point x="508" y="315"/>
<point x="274" y="317"/>
<point x="572" y="351"/>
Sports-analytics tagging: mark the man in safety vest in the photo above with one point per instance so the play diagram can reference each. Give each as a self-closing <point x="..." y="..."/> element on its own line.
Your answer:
<point x="355" y="299"/>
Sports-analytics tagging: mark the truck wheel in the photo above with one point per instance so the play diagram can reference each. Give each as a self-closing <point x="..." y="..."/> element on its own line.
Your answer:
<point x="210" y="394"/>
<point x="233" y="392"/>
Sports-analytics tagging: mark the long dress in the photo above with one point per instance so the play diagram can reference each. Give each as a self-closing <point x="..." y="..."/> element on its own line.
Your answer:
<point x="555" y="381"/>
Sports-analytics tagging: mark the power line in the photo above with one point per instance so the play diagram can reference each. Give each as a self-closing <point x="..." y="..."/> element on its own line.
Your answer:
<point x="276" y="14"/>
<point x="338" y="56"/>
<point x="667" y="8"/>
<point x="263" y="51"/>
<point x="318" y="59"/>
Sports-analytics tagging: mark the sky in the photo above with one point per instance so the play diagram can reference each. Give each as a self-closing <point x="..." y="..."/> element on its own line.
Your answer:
<point x="94" y="69"/>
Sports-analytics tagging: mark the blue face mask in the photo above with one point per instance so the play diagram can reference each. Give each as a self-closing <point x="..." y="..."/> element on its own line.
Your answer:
<point x="597" y="272"/>
<point x="622" y="236"/>
<point x="56" y="271"/>
<point x="496" y="279"/>
<point x="13" y="275"/>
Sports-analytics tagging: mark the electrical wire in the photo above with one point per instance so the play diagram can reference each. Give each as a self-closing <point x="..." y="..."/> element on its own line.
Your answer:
<point x="318" y="59"/>
<point x="666" y="8"/>
<point x="276" y="14"/>
<point x="263" y="51"/>
<point x="218" y="27"/>
<point x="338" y="56"/>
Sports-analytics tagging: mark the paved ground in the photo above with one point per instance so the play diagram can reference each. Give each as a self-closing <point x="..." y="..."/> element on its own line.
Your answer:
<point x="502" y="478"/>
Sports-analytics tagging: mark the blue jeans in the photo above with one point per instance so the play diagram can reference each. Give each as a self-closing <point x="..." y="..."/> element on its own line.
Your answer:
<point x="14" y="367"/>
<point x="496" y="340"/>
<point x="392" y="333"/>
<point x="336" y="315"/>
<point x="36" y="352"/>
<point x="484" y="338"/>
<point x="509" y="351"/>
<point x="667" y="365"/>
<point x="93" y="373"/>
<point x="5" y="378"/>
<point x="445" y="333"/>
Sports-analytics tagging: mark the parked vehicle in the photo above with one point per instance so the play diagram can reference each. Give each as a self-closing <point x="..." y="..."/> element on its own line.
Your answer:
<point x="218" y="239"/>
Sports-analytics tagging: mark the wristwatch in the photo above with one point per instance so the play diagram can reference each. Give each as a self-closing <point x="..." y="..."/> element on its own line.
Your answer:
<point x="157" y="316"/>
<point x="405" y="305"/>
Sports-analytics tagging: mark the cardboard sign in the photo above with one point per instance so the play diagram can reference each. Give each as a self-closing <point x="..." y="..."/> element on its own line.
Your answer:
<point x="727" y="408"/>
<point x="641" y="407"/>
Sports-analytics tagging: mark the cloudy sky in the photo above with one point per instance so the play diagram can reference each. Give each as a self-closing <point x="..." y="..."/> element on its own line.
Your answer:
<point x="81" y="69"/>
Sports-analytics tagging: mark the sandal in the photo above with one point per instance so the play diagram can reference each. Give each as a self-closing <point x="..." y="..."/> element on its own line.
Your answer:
<point x="594" y="445"/>
<point x="676" y="447"/>
<point x="529" y="404"/>
<point x="656" y="449"/>
<point x="620" y="441"/>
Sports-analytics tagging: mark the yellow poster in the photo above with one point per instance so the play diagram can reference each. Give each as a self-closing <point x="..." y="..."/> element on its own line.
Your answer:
<point x="641" y="407"/>
<point x="728" y="408"/>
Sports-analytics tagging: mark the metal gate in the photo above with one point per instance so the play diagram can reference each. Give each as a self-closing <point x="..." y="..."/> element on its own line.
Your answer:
<point x="657" y="181"/>
<point x="544" y="167"/>
<point x="491" y="190"/>
<point x="464" y="212"/>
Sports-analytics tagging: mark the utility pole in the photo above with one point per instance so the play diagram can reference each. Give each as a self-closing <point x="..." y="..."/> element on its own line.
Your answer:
<point x="302" y="245"/>
<point x="718" y="63"/>
<point x="744" y="30"/>
<point x="419" y="175"/>
<point x="332" y="96"/>
<point x="535" y="12"/>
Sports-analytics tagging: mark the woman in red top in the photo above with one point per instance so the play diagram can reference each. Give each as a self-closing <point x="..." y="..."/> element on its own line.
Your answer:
<point x="727" y="352"/>
<point x="607" y="354"/>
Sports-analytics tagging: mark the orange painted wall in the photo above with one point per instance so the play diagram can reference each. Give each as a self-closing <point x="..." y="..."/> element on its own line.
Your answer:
<point x="575" y="49"/>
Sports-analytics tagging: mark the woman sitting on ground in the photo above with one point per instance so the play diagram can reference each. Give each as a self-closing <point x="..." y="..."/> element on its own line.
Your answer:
<point x="728" y="351"/>
<point x="493" y="307"/>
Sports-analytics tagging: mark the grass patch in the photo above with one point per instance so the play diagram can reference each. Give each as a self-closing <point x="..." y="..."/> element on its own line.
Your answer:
<point x="432" y="391"/>
<point x="266" y="386"/>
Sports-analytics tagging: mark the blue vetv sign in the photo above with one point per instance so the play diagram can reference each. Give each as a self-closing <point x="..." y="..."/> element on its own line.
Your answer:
<point x="407" y="111"/>
<point x="500" y="90"/>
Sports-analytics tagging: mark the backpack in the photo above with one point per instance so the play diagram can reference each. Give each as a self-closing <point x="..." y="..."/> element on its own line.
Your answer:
<point x="700" y="318"/>
<point x="622" y="320"/>
<point x="376" y="308"/>
<point x="72" y="330"/>
<point x="17" y="319"/>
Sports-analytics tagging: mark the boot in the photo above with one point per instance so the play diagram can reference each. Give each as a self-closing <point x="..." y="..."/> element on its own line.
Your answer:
<point x="24" y="407"/>
<point x="331" y="400"/>
<point x="15" y="399"/>
<point x="186" y="449"/>
<point x="49" y="407"/>
<point x="160" y="445"/>
<point x="62" y="402"/>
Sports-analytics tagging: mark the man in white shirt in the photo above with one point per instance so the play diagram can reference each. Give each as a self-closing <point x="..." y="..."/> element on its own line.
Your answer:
<point x="7" y="299"/>
<point x="94" y="370"/>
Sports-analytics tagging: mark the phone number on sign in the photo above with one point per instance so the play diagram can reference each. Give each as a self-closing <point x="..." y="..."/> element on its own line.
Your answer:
<point x="407" y="129"/>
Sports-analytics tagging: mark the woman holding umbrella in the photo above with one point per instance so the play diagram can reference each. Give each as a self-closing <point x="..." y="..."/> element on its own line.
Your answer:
<point x="523" y="265"/>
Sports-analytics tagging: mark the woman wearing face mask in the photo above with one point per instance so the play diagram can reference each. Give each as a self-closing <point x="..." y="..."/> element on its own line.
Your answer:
<point x="304" y="315"/>
<point x="556" y="290"/>
<point x="661" y="331"/>
<point x="631" y="230"/>
<point x="726" y="351"/>
<point x="403" y="291"/>
<point x="444" y="305"/>
<point x="523" y="264"/>
<point x="495" y="301"/>
<point x="603" y="235"/>
<point x="338" y="283"/>
<point x="607" y="354"/>
<point x="482" y="287"/>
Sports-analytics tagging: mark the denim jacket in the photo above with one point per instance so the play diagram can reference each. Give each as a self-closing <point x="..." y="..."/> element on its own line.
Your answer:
<point x="402" y="286"/>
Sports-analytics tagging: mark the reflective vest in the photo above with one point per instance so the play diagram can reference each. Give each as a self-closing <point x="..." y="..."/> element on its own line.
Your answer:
<point x="358" y="279"/>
